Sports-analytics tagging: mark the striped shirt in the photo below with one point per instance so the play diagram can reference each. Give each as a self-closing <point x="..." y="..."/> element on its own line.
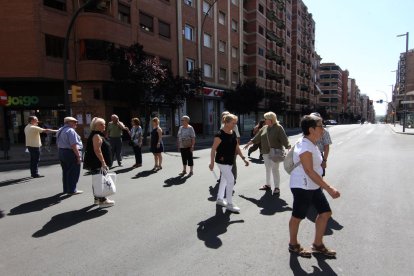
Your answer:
<point x="325" y="140"/>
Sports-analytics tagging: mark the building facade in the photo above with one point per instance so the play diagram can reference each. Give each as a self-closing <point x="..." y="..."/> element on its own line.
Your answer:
<point x="404" y="89"/>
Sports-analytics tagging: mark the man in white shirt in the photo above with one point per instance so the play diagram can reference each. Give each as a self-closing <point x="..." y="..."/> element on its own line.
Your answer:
<point x="33" y="143"/>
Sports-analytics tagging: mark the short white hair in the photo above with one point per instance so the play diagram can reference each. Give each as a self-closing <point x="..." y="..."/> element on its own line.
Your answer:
<point x="95" y="121"/>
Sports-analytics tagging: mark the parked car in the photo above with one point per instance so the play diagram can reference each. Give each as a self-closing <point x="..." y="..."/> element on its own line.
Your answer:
<point x="331" y="122"/>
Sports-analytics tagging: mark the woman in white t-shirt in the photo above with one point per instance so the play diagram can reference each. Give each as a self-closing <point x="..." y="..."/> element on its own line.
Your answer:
<point x="306" y="184"/>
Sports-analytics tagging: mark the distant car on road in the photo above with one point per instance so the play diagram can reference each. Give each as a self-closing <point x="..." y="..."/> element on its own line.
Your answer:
<point x="331" y="122"/>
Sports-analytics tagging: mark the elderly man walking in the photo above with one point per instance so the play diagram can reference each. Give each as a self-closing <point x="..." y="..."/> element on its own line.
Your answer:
<point x="33" y="143"/>
<point x="114" y="130"/>
<point x="70" y="145"/>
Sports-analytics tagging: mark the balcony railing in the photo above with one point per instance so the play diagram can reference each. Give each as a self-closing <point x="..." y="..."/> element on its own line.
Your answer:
<point x="273" y="37"/>
<point x="272" y="75"/>
<point x="273" y="56"/>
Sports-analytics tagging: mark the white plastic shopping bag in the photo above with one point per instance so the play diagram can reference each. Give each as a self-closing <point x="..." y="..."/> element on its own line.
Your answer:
<point x="103" y="184"/>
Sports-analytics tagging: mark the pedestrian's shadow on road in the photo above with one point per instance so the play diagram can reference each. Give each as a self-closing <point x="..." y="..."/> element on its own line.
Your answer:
<point x="38" y="204"/>
<point x="2" y="214"/>
<point x="144" y="174"/>
<point x="176" y="180"/>
<point x="323" y="269"/>
<point x="256" y="160"/>
<point x="332" y="223"/>
<point x="269" y="204"/>
<point x="210" y="229"/>
<point x="68" y="219"/>
<point x="14" y="181"/>
<point x="125" y="170"/>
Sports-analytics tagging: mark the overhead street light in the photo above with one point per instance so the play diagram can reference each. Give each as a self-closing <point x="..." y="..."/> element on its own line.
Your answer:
<point x="405" y="87"/>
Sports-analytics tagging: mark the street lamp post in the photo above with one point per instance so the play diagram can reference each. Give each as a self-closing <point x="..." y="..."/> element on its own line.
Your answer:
<point x="65" y="54"/>
<point x="405" y="86"/>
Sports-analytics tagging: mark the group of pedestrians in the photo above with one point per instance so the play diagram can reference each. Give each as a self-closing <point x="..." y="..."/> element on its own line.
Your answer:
<point x="306" y="180"/>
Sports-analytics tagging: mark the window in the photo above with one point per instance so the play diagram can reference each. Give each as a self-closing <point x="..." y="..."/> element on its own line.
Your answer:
<point x="146" y="22"/>
<point x="234" y="27"/>
<point x="206" y="9"/>
<point x="234" y="77"/>
<point x="235" y="2"/>
<point x="164" y="29"/>
<point x="234" y="52"/>
<point x="288" y="33"/>
<point x="222" y="18"/>
<point x="189" y="32"/>
<point x="92" y="49"/>
<point x="222" y="74"/>
<point x="188" y="2"/>
<point x="208" y="71"/>
<point x="54" y="46"/>
<point x="245" y="48"/>
<point x="208" y="40"/>
<point x="124" y="13"/>
<point x="56" y="4"/>
<point x="288" y="66"/>
<point x="189" y="64"/>
<point x="261" y="30"/>
<point x="261" y="73"/>
<point x="222" y="46"/>
<point x="166" y="63"/>
<point x="261" y="52"/>
<point x="261" y="9"/>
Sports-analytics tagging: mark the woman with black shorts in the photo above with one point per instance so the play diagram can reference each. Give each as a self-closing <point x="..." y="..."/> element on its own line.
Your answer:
<point x="306" y="184"/>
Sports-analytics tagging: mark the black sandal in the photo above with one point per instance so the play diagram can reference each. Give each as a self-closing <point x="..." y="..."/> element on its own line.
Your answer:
<point x="264" y="188"/>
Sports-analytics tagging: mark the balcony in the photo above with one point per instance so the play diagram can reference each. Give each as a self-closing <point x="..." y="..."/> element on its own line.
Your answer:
<point x="272" y="75"/>
<point x="271" y="15"/>
<point x="273" y="56"/>
<point x="280" y="4"/>
<point x="273" y="37"/>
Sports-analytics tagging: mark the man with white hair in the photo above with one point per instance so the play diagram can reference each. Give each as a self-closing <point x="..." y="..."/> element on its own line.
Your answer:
<point x="70" y="145"/>
<point x="323" y="145"/>
<point x="114" y="132"/>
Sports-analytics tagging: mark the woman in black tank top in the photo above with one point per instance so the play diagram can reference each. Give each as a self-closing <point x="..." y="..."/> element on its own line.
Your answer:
<point x="224" y="148"/>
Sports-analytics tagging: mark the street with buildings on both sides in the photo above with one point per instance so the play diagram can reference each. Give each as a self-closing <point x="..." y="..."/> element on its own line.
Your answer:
<point x="163" y="224"/>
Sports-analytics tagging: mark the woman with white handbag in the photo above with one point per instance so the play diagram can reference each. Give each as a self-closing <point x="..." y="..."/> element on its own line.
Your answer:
<point x="98" y="159"/>
<point x="272" y="137"/>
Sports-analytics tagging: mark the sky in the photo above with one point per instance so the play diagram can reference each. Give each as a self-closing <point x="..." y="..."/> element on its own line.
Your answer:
<point x="361" y="36"/>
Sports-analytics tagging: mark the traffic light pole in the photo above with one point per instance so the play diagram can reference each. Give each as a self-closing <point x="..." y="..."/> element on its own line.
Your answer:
<point x="65" y="56"/>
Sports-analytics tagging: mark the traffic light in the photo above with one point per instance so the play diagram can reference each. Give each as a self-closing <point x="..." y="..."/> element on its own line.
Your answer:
<point x="76" y="93"/>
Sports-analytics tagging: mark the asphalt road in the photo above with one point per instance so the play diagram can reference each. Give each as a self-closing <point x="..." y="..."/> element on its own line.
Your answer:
<point x="166" y="225"/>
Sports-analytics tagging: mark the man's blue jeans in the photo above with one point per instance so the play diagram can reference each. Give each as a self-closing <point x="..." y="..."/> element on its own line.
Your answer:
<point x="34" y="160"/>
<point x="70" y="170"/>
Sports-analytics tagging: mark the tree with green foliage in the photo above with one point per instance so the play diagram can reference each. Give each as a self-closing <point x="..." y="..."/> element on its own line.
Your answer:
<point x="244" y="99"/>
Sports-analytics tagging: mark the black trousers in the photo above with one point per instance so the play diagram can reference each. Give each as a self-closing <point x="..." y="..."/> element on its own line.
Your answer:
<point x="187" y="156"/>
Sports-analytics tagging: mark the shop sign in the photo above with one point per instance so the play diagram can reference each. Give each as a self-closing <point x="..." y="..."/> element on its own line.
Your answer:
<point x="212" y="92"/>
<point x="22" y="101"/>
<point x="3" y="97"/>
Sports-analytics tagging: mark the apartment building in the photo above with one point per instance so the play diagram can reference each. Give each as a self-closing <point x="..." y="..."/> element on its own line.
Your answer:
<point x="404" y="87"/>
<point x="353" y="108"/>
<point x="331" y="84"/>
<point x="182" y="34"/>
<point x="279" y="53"/>
<point x="31" y="45"/>
<point x="210" y="39"/>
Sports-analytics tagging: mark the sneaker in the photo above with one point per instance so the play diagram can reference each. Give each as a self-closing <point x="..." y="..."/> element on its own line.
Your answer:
<point x="106" y="203"/>
<point x="221" y="202"/>
<point x="233" y="208"/>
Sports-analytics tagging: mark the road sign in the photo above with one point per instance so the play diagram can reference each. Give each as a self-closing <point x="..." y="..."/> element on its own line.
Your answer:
<point x="407" y="102"/>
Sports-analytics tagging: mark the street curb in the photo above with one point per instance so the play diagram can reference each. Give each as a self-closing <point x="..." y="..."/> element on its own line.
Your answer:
<point x="399" y="132"/>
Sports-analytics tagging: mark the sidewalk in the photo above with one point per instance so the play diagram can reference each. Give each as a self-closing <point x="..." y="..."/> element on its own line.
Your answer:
<point x="397" y="128"/>
<point x="17" y="154"/>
